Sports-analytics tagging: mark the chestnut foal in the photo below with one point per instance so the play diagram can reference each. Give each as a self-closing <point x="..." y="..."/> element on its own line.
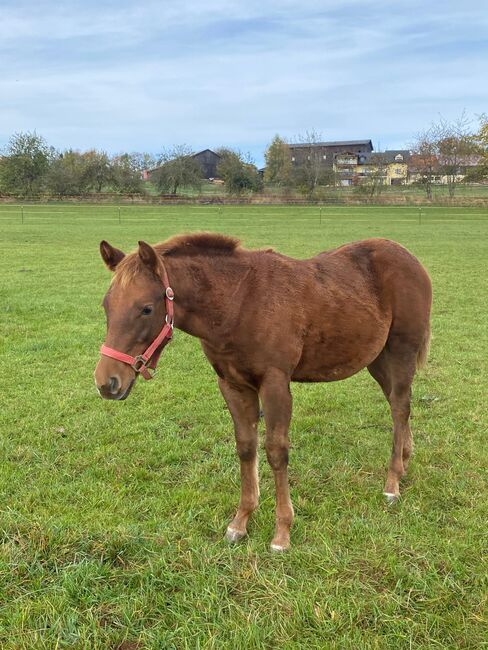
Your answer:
<point x="264" y="320"/>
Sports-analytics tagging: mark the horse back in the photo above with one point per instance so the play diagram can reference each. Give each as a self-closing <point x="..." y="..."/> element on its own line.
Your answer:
<point x="360" y="295"/>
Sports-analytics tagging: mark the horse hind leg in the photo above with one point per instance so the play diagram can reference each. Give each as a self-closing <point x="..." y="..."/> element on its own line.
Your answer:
<point x="380" y="371"/>
<point x="394" y="370"/>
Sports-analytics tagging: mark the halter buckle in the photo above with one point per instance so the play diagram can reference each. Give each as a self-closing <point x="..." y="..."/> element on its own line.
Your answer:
<point x="139" y="363"/>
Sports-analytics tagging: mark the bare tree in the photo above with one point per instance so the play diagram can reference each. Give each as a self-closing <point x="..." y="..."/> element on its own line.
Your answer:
<point x="444" y="149"/>
<point x="375" y="180"/>
<point x="424" y="160"/>
<point x="310" y="170"/>
<point x="455" y="145"/>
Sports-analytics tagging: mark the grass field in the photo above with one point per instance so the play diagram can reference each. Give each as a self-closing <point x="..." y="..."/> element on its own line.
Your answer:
<point x="112" y="515"/>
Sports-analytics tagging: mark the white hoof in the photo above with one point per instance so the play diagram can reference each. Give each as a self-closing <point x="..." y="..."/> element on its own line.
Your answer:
<point x="277" y="548"/>
<point x="391" y="498"/>
<point x="233" y="536"/>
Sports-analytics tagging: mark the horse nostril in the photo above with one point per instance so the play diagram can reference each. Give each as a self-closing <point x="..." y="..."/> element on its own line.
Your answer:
<point x="114" y="385"/>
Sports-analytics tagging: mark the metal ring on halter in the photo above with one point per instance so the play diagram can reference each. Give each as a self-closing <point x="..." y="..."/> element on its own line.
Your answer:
<point x="139" y="363"/>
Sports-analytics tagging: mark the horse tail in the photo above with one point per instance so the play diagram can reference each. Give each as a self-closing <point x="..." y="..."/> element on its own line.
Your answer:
<point x="423" y="351"/>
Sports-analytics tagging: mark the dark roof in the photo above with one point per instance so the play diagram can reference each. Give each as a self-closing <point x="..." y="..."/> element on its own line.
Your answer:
<point x="390" y="154"/>
<point x="156" y="167"/>
<point x="203" y="151"/>
<point x="334" y="143"/>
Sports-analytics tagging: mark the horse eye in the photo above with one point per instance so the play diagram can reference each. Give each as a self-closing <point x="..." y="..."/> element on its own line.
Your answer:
<point x="147" y="310"/>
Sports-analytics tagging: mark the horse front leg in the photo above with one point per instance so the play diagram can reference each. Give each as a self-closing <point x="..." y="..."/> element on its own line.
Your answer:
<point x="277" y="403"/>
<point x="243" y="403"/>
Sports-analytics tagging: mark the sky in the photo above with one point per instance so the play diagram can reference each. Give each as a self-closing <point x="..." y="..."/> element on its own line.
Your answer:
<point x="143" y="76"/>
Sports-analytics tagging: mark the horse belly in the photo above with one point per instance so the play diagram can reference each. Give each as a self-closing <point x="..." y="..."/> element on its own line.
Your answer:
<point x="332" y="356"/>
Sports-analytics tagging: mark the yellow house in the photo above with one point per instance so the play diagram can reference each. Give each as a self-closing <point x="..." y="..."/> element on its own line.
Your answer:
<point x="391" y="166"/>
<point x="397" y="167"/>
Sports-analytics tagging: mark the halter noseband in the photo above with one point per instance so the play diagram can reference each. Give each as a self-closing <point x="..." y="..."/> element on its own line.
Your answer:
<point x="147" y="361"/>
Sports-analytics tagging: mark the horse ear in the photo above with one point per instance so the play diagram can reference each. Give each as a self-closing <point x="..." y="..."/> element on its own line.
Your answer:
<point x="149" y="257"/>
<point x="110" y="255"/>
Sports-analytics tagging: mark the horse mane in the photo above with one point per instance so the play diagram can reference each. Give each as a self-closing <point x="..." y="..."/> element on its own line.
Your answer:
<point x="207" y="244"/>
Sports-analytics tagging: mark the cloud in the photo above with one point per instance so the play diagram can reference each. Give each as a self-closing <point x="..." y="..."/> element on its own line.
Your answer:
<point x="143" y="75"/>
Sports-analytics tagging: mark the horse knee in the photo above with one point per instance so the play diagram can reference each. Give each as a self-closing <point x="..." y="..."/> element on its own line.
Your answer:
<point x="246" y="450"/>
<point x="277" y="455"/>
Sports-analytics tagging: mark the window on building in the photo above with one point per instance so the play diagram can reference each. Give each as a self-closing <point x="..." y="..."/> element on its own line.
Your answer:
<point x="399" y="157"/>
<point x="293" y="159"/>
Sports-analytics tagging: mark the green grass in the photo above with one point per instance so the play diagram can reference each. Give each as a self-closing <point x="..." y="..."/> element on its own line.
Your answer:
<point x="112" y="515"/>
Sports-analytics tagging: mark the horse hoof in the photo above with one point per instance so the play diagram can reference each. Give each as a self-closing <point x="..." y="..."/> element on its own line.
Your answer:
<point x="233" y="536"/>
<point x="391" y="498"/>
<point x="279" y="548"/>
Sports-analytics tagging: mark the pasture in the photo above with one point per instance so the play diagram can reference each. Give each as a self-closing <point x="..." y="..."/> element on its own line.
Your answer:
<point x="112" y="515"/>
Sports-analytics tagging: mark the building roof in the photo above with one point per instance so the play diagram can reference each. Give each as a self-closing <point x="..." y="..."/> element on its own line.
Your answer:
<point x="334" y="143"/>
<point x="204" y="151"/>
<point x="192" y="155"/>
<point x="390" y="155"/>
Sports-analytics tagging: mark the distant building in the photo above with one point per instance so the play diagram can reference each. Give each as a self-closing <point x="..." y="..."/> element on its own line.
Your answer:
<point x="345" y="157"/>
<point x="392" y="164"/>
<point x="208" y="159"/>
<point x="441" y="171"/>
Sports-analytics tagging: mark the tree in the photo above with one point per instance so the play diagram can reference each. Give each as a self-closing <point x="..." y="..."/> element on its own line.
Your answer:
<point x="443" y="149"/>
<point x="278" y="163"/>
<point x="480" y="173"/>
<point x="177" y="169"/>
<point x="455" y="145"/>
<point x="310" y="172"/>
<point x="67" y="174"/>
<point x="25" y="164"/>
<point x="127" y="173"/>
<point x="238" y="172"/>
<point x="98" y="170"/>
<point x="424" y="158"/>
<point x="374" y="181"/>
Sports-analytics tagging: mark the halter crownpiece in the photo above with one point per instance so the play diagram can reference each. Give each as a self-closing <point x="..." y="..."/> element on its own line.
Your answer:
<point x="146" y="363"/>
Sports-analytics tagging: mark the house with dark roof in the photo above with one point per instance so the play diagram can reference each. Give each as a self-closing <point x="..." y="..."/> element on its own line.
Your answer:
<point x="392" y="164"/>
<point x="344" y="157"/>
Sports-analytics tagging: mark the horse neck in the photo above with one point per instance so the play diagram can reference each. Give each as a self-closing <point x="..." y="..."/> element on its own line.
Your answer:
<point x="206" y="291"/>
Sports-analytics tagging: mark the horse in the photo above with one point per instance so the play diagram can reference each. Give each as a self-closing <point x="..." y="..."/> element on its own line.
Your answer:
<point x="265" y="320"/>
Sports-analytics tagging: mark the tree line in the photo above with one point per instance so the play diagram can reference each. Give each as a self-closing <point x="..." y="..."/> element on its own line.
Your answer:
<point x="29" y="167"/>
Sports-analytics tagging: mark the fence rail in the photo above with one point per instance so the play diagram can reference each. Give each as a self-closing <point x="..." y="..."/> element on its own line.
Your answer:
<point x="403" y="199"/>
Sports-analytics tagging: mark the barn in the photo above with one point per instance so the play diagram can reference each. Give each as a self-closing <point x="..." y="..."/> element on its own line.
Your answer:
<point x="208" y="159"/>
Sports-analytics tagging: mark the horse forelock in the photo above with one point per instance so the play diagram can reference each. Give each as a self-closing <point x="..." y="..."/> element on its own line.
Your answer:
<point x="128" y="269"/>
